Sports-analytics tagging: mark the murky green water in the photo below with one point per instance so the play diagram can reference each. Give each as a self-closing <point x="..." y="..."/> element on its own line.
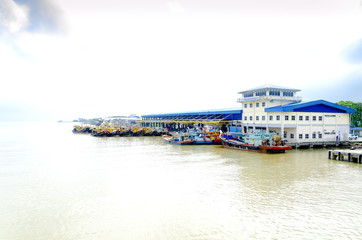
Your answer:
<point x="58" y="185"/>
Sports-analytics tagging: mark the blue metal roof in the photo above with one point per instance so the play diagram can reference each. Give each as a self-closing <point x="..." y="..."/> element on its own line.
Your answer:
<point x="357" y="128"/>
<point x="215" y="111"/>
<point x="218" y="114"/>
<point x="313" y="106"/>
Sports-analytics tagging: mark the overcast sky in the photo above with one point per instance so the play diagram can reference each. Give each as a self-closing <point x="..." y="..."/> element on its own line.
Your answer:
<point x="64" y="59"/>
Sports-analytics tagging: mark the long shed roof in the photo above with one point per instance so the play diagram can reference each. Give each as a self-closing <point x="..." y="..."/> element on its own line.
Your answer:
<point x="216" y="114"/>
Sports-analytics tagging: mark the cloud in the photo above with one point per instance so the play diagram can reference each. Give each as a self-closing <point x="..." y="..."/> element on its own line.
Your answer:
<point x="175" y="6"/>
<point x="353" y="54"/>
<point x="345" y="87"/>
<point x="13" y="17"/>
<point x="30" y="16"/>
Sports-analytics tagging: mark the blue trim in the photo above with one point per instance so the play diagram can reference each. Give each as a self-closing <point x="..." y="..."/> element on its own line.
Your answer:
<point x="313" y="106"/>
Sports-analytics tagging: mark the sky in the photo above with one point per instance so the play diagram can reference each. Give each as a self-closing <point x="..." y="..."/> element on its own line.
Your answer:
<point x="65" y="59"/>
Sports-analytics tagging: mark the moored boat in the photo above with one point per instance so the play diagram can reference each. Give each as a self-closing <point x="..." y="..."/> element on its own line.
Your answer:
<point x="81" y="129"/>
<point x="179" y="139"/>
<point x="260" y="141"/>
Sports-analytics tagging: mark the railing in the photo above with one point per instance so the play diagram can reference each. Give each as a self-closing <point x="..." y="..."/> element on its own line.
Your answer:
<point x="296" y="98"/>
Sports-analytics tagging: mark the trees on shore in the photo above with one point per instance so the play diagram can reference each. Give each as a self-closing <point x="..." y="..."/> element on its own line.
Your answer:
<point x="356" y="118"/>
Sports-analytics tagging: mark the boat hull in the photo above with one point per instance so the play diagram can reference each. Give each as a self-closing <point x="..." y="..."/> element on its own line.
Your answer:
<point x="234" y="144"/>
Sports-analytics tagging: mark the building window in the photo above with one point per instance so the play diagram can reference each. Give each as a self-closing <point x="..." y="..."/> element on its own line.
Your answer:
<point x="320" y="118"/>
<point x="314" y="135"/>
<point x="245" y="105"/>
<point x="292" y="135"/>
<point x="245" y="118"/>
<point x="278" y="117"/>
<point x="288" y="94"/>
<point x="263" y="104"/>
<point x="300" y="136"/>
<point x="314" y="118"/>
<point x="319" y="135"/>
<point x="263" y="118"/>
<point x="251" y="105"/>
<point x="261" y="93"/>
<point x="274" y="93"/>
<point x="293" y="118"/>
<point x="271" y="118"/>
<point x="300" y="118"/>
<point x="257" y="118"/>
<point x="307" y="118"/>
<point x="251" y="118"/>
<point x="306" y="136"/>
<point x="286" y="117"/>
<point x="257" y="104"/>
<point x="246" y="95"/>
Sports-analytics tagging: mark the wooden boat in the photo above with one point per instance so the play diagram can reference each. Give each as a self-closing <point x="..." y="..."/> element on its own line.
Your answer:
<point x="256" y="142"/>
<point x="81" y="129"/>
<point x="200" y="138"/>
<point x="179" y="139"/>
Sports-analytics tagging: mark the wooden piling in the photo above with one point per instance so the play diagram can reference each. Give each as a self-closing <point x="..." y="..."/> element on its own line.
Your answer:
<point x="346" y="155"/>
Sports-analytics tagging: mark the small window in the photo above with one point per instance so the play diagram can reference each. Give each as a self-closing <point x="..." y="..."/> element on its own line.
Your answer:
<point x="257" y="118"/>
<point x="306" y="136"/>
<point x="263" y="104"/>
<point x="314" y="118"/>
<point x="314" y="135"/>
<point x="307" y="118"/>
<point x="300" y="118"/>
<point x="320" y="135"/>
<point x="293" y="118"/>
<point x="286" y="117"/>
<point x="245" y="105"/>
<point x="292" y="135"/>
<point x="271" y="118"/>
<point x="257" y="104"/>
<point x="278" y="117"/>
<point x="251" y="118"/>
<point x="263" y="118"/>
<point x="251" y="105"/>
<point x="245" y="118"/>
<point x="300" y="136"/>
<point x="320" y="118"/>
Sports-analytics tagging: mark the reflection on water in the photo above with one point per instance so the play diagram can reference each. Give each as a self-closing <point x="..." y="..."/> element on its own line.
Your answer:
<point x="58" y="185"/>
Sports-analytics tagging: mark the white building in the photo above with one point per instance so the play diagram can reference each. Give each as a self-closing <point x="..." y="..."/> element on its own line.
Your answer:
<point x="278" y="109"/>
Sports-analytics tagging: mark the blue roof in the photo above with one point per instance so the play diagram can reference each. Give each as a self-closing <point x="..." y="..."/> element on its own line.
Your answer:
<point x="313" y="106"/>
<point x="218" y="114"/>
<point x="202" y="112"/>
<point x="357" y="128"/>
<point x="269" y="86"/>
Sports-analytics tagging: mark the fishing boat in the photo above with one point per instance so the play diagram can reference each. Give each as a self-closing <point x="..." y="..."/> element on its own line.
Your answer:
<point x="179" y="139"/>
<point x="200" y="138"/>
<point x="260" y="141"/>
<point x="147" y="131"/>
<point x="81" y="129"/>
<point x="136" y="131"/>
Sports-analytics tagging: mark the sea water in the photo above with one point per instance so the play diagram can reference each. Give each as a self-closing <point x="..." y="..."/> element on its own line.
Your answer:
<point x="56" y="185"/>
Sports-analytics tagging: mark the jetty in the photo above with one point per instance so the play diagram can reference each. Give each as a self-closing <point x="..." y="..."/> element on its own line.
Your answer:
<point x="348" y="155"/>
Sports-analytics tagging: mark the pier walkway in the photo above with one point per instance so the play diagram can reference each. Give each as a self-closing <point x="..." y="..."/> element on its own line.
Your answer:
<point x="346" y="155"/>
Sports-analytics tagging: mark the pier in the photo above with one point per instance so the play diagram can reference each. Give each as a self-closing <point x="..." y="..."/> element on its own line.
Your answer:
<point x="346" y="155"/>
<point x="320" y="144"/>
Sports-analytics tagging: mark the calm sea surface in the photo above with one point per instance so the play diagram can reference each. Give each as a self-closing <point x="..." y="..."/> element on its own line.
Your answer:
<point x="56" y="185"/>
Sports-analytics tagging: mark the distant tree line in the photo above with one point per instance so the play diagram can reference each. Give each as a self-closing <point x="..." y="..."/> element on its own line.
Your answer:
<point x="356" y="118"/>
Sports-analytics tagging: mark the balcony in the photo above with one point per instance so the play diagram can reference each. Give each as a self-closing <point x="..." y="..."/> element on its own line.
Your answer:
<point x="251" y="99"/>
